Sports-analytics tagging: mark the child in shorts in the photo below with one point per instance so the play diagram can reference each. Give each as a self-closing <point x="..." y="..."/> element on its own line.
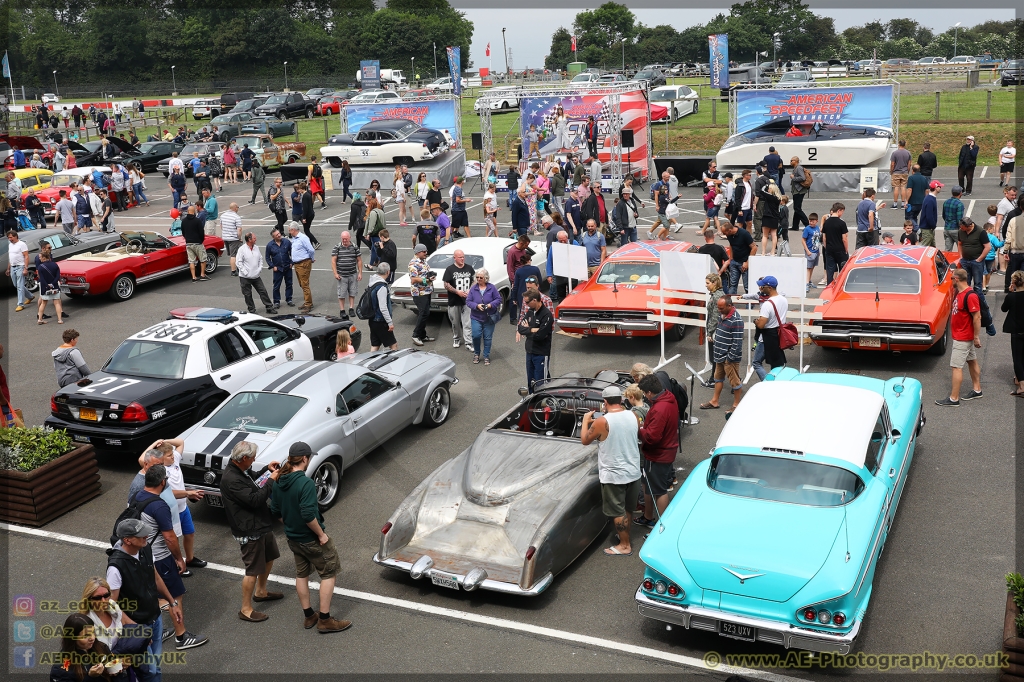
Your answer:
<point x="812" y="247"/>
<point x="534" y="138"/>
<point x="992" y="259"/>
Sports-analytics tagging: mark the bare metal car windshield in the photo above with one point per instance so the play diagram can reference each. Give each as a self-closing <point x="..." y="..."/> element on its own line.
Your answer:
<point x="255" y="412"/>
<point x="783" y="480"/>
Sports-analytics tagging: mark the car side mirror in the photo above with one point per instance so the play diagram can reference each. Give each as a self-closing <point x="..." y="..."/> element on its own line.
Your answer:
<point x="896" y="435"/>
<point x="523" y="391"/>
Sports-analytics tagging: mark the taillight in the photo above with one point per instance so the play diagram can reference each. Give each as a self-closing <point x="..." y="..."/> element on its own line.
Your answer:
<point x="839" y="619"/>
<point x="386" y="528"/>
<point x="810" y="614"/>
<point x="135" y="413"/>
<point x="824" y="617"/>
<point x="53" y="405"/>
<point x="648" y="584"/>
<point x="660" y="587"/>
<point x="673" y="591"/>
<point x="530" y="552"/>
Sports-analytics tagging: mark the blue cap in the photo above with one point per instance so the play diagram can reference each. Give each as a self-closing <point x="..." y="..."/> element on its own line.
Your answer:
<point x="768" y="281"/>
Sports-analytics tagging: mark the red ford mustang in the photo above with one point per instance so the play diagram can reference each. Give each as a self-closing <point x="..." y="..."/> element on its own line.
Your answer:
<point x="614" y="301"/>
<point x="893" y="298"/>
<point x="145" y="256"/>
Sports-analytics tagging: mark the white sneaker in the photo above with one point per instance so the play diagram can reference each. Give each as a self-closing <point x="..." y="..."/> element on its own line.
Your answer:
<point x="416" y="341"/>
<point x="456" y="343"/>
<point x="822" y="282"/>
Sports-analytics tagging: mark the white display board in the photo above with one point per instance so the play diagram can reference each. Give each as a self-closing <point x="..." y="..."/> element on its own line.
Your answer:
<point x="790" y="271"/>
<point x="868" y="178"/>
<point x="685" y="271"/>
<point x="569" y="260"/>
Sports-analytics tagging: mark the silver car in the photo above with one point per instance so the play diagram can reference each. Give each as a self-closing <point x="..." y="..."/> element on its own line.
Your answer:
<point x="515" y="508"/>
<point x="342" y="410"/>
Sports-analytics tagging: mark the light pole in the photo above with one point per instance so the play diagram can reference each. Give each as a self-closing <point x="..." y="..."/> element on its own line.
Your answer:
<point x="775" y="45"/>
<point x="508" y="74"/>
<point x="956" y="29"/>
<point x="56" y="90"/>
<point x="286" y="76"/>
<point x="174" y="84"/>
<point x="413" y="74"/>
<point x="435" y="60"/>
<point x="623" y="36"/>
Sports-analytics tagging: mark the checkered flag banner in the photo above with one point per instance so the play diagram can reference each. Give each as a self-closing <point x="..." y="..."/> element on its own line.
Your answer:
<point x="606" y="113"/>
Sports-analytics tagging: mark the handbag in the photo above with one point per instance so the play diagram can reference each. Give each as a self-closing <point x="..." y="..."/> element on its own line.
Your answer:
<point x="789" y="337"/>
<point x="671" y="211"/>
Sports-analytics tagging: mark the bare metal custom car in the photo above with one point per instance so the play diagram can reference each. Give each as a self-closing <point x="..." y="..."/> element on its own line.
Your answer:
<point x="342" y="410"/>
<point x="515" y="508"/>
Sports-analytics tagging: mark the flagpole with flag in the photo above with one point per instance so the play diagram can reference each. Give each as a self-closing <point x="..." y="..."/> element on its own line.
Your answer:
<point x="488" y="58"/>
<point x="7" y="74"/>
<point x="574" y="49"/>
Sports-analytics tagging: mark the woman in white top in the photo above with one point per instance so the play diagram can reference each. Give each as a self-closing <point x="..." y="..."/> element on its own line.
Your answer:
<point x="562" y="128"/>
<point x="491" y="210"/>
<point x="101" y="609"/>
<point x="400" y="197"/>
<point x="422" y="187"/>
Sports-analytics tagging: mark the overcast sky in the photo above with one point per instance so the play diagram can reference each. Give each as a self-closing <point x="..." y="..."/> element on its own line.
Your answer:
<point x="528" y="31"/>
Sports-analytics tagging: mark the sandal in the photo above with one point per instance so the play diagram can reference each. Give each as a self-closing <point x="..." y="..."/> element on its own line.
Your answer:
<point x="476" y="359"/>
<point x="1017" y="394"/>
<point x="615" y="551"/>
<point x="709" y="406"/>
<point x="40" y="321"/>
<point x="487" y="361"/>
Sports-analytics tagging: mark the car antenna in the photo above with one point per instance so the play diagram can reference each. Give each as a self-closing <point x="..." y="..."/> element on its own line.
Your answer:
<point x="846" y="526"/>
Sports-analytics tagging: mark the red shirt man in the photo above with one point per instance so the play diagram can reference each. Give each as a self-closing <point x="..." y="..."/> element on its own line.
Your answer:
<point x="659" y="438"/>
<point x="965" y="324"/>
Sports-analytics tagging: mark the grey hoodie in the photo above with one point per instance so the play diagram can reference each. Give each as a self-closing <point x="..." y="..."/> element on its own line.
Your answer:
<point x="69" y="365"/>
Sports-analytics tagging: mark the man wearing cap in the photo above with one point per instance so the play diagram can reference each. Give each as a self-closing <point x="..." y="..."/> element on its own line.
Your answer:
<point x="952" y="213"/>
<point x="774" y="307"/>
<point x="536" y="325"/>
<point x="618" y="462"/>
<point x="573" y="218"/>
<point x="421" y="286"/>
<point x="457" y="279"/>
<point x="444" y="224"/>
<point x="294" y="502"/>
<point x="303" y="258"/>
<point x="531" y="283"/>
<point x="245" y="504"/>
<point x="773" y="162"/>
<point x="965" y="164"/>
<point x="973" y="246"/>
<point x="929" y="216"/>
<point x="626" y="215"/>
<point x="137" y="587"/>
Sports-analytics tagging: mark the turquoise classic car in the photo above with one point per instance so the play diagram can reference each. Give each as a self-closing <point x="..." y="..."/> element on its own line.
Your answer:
<point x="775" y="537"/>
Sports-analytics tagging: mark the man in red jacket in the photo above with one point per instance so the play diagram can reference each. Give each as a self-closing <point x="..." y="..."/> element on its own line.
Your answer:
<point x="659" y="438"/>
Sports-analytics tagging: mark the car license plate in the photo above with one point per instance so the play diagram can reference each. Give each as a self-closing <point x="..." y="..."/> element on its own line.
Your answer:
<point x="87" y="413"/>
<point x="734" y="631"/>
<point x="870" y="342"/>
<point x="444" y="580"/>
<point x="606" y="329"/>
<point x="65" y="288"/>
<point x="80" y="438"/>
<point x="213" y="500"/>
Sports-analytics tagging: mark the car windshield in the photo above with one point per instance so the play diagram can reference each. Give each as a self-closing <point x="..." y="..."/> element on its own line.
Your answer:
<point x="795" y="76"/>
<point x="188" y="149"/>
<point x="253" y="142"/>
<point x="582" y="78"/>
<point x="629" y="273"/>
<point x="148" y="359"/>
<point x="645" y="74"/>
<point x="783" y="480"/>
<point x="1015" y="64"/>
<point x="440" y="261"/>
<point x="147" y="147"/>
<point x="65" y="180"/>
<point x="224" y="118"/>
<point x="664" y="95"/>
<point x="883" y="280"/>
<point x="254" y="412"/>
<point x="277" y="99"/>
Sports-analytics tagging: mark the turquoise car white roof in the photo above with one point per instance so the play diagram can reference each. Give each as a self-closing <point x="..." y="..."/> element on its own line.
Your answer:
<point x="827" y="420"/>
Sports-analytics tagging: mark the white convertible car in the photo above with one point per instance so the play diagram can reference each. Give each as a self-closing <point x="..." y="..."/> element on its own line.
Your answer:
<point x="481" y="252"/>
<point x="391" y="141"/>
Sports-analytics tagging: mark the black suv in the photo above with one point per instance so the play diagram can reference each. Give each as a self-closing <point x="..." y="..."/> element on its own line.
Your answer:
<point x="1013" y="73"/>
<point x="286" y="105"/>
<point x="229" y="99"/>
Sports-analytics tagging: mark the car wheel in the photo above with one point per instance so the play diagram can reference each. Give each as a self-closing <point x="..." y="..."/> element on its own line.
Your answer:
<point x="309" y="113"/>
<point x="205" y="410"/>
<point x="677" y="333"/>
<point x="196" y="118"/>
<point x="224" y="137"/>
<point x="112" y="245"/>
<point x="123" y="288"/>
<point x="939" y="347"/>
<point x="695" y="103"/>
<point x="327" y="479"/>
<point x="293" y="159"/>
<point x="504" y="301"/>
<point x="211" y="261"/>
<point x="334" y="161"/>
<point x="281" y="115"/>
<point x="166" y="175"/>
<point x="31" y="283"/>
<point x="438" y="406"/>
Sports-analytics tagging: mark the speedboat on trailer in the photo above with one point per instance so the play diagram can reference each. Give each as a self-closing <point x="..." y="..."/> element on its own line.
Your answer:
<point x="817" y="144"/>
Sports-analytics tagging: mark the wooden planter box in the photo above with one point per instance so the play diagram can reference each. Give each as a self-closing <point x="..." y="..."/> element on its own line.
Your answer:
<point x="34" y="498"/>
<point x="1013" y="645"/>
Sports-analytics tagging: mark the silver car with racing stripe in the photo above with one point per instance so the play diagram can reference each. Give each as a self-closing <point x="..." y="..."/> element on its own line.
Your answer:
<point x="516" y="507"/>
<point x="342" y="410"/>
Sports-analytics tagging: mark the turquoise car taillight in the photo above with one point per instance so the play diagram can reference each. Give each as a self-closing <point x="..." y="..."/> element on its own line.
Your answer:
<point x="663" y="588"/>
<point x="819" y="616"/>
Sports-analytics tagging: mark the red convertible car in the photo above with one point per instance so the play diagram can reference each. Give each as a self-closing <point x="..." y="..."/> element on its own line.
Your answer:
<point x="891" y="298"/>
<point x="144" y="256"/>
<point x="613" y="302"/>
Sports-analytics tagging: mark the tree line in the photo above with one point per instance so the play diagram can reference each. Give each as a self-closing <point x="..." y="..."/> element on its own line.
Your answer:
<point x="610" y="34"/>
<point x="133" y="42"/>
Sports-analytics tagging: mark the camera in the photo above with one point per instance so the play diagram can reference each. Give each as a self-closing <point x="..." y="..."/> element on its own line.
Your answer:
<point x="431" y="275"/>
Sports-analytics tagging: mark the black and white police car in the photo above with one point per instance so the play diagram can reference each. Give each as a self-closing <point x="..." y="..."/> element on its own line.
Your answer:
<point x="169" y="376"/>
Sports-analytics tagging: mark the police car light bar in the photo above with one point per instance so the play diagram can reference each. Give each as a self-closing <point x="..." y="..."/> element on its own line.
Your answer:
<point x="203" y="314"/>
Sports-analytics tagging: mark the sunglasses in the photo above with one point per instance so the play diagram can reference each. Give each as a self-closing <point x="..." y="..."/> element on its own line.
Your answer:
<point x="99" y="596"/>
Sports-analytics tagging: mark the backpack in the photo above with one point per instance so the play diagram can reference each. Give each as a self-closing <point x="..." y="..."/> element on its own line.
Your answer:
<point x="82" y="204"/>
<point x="808" y="179"/>
<point x="677" y="390"/>
<point x="132" y="511"/>
<point x="986" y="316"/>
<point x="366" y="309"/>
<point x="318" y="172"/>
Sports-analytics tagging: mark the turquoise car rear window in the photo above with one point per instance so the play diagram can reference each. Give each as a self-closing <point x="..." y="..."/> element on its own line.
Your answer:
<point x="783" y="480"/>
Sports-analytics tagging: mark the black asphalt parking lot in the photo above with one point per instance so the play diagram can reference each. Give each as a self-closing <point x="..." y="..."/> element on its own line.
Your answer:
<point x="939" y="586"/>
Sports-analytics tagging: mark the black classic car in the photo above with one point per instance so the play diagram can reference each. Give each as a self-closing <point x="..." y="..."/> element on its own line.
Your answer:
<point x="388" y="141"/>
<point x="91" y="153"/>
<point x="155" y="152"/>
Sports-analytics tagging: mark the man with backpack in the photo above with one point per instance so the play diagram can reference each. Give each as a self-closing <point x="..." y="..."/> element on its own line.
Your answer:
<point x="83" y="211"/>
<point x="659" y="439"/>
<point x="974" y="245"/>
<point x="965" y="326"/>
<point x="375" y="307"/>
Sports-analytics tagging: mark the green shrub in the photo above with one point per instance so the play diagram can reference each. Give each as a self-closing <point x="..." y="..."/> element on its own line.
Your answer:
<point x="28" y="449"/>
<point x="1015" y="584"/>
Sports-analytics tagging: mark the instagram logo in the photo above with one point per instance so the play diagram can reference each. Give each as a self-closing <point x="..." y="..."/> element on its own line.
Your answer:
<point x="24" y="605"/>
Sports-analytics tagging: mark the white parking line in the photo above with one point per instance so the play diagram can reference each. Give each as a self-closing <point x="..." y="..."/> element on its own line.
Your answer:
<point x="472" y="618"/>
<point x="970" y="207"/>
<point x="983" y="171"/>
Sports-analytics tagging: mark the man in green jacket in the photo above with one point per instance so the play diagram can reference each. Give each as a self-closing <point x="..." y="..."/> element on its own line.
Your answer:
<point x="294" y="502"/>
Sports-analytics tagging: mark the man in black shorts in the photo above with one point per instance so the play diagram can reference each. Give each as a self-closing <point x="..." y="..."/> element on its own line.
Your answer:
<point x="382" y="325"/>
<point x="460" y="217"/>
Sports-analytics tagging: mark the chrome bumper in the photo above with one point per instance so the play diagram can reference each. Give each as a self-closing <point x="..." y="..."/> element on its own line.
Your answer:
<point x="773" y="632"/>
<point x="885" y="338"/>
<point x="624" y="325"/>
<point x="487" y="584"/>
